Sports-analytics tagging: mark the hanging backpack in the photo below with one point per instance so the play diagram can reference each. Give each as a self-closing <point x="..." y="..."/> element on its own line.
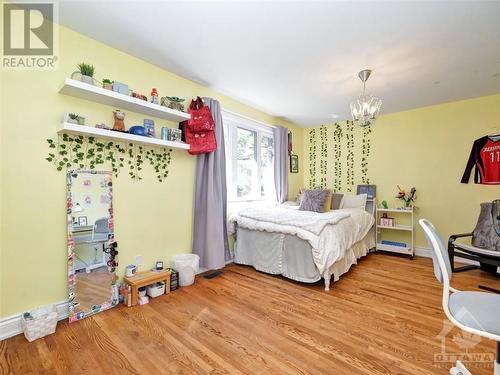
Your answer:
<point x="201" y="118"/>
<point x="199" y="129"/>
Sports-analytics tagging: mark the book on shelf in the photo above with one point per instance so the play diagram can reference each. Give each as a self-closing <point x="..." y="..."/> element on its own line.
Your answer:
<point x="394" y="243"/>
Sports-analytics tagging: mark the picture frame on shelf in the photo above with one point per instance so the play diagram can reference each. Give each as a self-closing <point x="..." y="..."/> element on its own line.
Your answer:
<point x="369" y="190"/>
<point x="294" y="163"/>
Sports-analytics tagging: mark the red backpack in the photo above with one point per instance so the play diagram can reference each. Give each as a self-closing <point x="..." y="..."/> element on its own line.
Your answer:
<point x="199" y="128"/>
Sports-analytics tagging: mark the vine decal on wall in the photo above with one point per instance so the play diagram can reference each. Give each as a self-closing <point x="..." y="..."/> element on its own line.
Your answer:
<point x="323" y="166"/>
<point x="350" y="156"/>
<point x="365" y="154"/>
<point x="80" y="152"/>
<point x="337" y="153"/>
<point x="312" y="158"/>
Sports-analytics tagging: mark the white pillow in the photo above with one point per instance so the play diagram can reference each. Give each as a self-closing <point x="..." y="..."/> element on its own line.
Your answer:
<point x="354" y="201"/>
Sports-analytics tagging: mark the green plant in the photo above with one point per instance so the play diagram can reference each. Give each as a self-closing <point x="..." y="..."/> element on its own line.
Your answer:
<point x="106" y="80"/>
<point x="86" y="69"/>
<point x="73" y="116"/>
<point x="337" y="151"/>
<point x="366" y="154"/>
<point x="312" y="158"/>
<point x="79" y="152"/>
<point x="323" y="162"/>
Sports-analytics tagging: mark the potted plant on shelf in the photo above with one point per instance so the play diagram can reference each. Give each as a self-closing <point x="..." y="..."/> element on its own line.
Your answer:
<point x="87" y="72"/>
<point x="107" y="84"/>
<point x="73" y="118"/>
<point x="407" y="198"/>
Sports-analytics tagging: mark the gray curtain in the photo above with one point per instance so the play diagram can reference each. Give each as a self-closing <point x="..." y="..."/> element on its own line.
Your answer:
<point x="210" y="207"/>
<point x="281" y="163"/>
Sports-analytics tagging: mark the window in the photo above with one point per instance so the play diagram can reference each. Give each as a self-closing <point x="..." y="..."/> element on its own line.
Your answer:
<point x="249" y="159"/>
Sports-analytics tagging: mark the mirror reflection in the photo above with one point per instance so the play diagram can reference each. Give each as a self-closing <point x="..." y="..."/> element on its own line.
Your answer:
<point x="91" y="243"/>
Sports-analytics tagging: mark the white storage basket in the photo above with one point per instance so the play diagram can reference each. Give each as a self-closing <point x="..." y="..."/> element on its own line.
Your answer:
<point x="155" y="290"/>
<point x="39" y="322"/>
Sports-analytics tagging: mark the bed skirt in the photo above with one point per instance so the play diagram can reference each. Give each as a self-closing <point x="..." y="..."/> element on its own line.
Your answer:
<point x="290" y="256"/>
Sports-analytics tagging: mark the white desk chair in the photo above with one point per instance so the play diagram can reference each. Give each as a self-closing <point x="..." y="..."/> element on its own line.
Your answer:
<point x="482" y="310"/>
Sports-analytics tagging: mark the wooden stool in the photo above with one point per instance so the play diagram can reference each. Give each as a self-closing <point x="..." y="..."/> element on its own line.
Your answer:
<point x="145" y="278"/>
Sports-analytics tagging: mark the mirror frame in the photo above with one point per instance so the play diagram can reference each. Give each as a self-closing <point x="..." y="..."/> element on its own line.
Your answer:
<point x="72" y="297"/>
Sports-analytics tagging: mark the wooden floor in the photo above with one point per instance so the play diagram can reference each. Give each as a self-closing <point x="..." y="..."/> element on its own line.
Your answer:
<point x="383" y="317"/>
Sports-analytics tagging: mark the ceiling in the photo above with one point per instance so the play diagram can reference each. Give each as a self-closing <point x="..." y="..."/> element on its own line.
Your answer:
<point x="299" y="60"/>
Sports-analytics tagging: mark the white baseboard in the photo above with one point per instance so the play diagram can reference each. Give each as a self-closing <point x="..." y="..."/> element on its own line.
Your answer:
<point x="426" y="253"/>
<point x="11" y="325"/>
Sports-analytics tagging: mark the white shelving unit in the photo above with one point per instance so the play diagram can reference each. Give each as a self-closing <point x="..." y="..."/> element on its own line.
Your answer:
<point x="118" y="136"/>
<point x="410" y="228"/>
<point x="97" y="94"/>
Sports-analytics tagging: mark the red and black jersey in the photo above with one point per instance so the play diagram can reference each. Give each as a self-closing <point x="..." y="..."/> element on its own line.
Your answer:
<point x="485" y="156"/>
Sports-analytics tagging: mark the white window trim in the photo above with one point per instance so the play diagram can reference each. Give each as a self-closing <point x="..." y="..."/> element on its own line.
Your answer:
<point x="233" y="121"/>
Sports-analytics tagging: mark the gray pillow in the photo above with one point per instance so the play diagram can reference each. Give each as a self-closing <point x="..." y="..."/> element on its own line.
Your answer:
<point x="336" y="200"/>
<point x="314" y="200"/>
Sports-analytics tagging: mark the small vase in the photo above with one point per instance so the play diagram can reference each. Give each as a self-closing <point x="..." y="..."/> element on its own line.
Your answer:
<point x="107" y="86"/>
<point x="87" y="79"/>
<point x="72" y="121"/>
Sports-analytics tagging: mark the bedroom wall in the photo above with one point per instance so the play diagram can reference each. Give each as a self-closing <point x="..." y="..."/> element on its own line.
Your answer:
<point x="152" y="219"/>
<point x="426" y="148"/>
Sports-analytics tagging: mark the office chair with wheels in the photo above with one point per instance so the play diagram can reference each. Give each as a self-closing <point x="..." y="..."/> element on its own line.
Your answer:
<point x="482" y="315"/>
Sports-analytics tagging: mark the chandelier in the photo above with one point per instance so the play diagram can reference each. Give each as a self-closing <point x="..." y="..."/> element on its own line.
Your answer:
<point x="365" y="108"/>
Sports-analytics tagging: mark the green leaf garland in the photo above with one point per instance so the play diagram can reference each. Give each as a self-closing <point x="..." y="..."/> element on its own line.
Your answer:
<point x="80" y="152"/>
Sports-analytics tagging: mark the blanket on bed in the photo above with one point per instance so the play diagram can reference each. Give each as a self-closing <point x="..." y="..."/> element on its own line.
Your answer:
<point x="313" y="222"/>
<point x="340" y="229"/>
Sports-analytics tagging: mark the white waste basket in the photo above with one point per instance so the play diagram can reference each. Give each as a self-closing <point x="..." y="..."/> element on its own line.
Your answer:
<point x="187" y="265"/>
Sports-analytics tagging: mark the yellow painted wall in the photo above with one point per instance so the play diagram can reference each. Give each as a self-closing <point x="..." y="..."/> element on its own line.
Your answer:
<point x="152" y="219"/>
<point x="427" y="148"/>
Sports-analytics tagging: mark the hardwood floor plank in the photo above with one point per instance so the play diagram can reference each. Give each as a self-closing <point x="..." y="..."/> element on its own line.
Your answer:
<point x="383" y="317"/>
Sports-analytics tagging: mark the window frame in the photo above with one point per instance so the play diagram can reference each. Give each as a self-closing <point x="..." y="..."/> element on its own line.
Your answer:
<point x="232" y="122"/>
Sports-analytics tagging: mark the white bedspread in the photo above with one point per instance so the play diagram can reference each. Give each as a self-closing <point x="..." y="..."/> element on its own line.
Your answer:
<point x="330" y="234"/>
<point x="313" y="222"/>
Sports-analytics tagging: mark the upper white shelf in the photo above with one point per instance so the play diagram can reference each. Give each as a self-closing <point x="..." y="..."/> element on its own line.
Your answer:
<point x="122" y="137"/>
<point x="96" y="94"/>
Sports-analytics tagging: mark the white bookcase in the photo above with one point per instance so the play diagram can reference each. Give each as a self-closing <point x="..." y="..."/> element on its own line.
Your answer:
<point x="405" y="215"/>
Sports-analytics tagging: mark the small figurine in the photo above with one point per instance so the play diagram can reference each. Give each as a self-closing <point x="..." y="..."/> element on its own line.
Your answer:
<point x="119" y="124"/>
<point x="138" y="96"/>
<point x="173" y="102"/>
<point x="154" y="96"/>
<point x="102" y="126"/>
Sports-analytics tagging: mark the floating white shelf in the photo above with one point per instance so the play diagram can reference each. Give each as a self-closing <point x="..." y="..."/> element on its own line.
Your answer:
<point x="397" y="227"/>
<point x="122" y="137"/>
<point x="408" y="228"/>
<point x="96" y="94"/>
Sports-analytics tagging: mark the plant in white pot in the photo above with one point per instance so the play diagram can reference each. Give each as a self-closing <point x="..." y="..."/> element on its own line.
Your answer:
<point x="72" y="118"/>
<point x="87" y="72"/>
<point x="107" y="84"/>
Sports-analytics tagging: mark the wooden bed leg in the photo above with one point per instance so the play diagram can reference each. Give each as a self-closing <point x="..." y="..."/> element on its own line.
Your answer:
<point x="327" y="283"/>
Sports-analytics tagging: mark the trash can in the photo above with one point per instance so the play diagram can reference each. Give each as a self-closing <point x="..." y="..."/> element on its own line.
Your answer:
<point x="187" y="265"/>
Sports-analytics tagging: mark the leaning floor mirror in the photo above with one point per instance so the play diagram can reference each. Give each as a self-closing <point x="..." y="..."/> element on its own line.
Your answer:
<point x="92" y="248"/>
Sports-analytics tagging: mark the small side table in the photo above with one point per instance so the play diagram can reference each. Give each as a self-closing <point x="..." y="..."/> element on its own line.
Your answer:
<point x="141" y="279"/>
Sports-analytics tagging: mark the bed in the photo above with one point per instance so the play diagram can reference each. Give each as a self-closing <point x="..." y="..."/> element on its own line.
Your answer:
<point x="278" y="247"/>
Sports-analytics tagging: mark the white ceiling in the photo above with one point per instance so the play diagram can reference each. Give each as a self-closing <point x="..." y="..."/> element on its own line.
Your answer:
<point x="299" y="60"/>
